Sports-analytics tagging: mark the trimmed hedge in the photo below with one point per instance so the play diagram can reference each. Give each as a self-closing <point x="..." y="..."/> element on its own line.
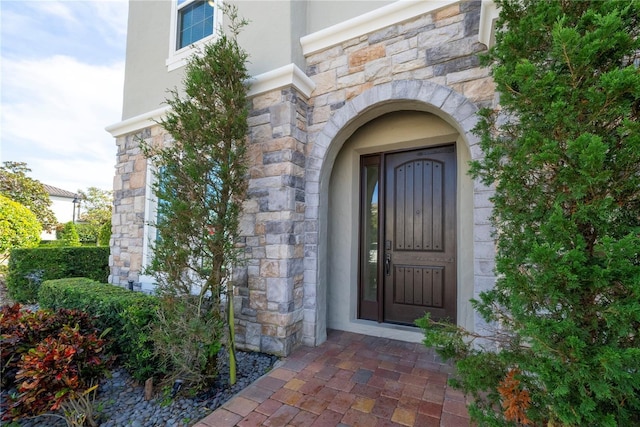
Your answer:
<point x="127" y="313"/>
<point x="29" y="267"/>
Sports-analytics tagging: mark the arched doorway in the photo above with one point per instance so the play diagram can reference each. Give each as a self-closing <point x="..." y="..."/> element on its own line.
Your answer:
<point x="388" y="259"/>
<point x="429" y="115"/>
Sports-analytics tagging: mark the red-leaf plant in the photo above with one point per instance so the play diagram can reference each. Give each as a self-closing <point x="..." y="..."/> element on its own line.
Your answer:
<point x="22" y="330"/>
<point x="56" y="368"/>
<point x="60" y="366"/>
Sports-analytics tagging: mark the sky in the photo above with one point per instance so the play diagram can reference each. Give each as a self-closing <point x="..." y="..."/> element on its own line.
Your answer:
<point x="62" y="76"/>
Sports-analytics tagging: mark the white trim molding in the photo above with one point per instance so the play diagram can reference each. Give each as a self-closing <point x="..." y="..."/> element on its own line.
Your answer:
<point x="489" y="12"/>
<point x="137" y="123"/>
<point x="377" y="19"/>
<point x="288" y="75"/>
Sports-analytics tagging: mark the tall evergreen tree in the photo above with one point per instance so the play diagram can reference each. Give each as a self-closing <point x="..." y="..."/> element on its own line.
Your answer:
<point x="202" y="183"/>
<point x="563" y="153"/>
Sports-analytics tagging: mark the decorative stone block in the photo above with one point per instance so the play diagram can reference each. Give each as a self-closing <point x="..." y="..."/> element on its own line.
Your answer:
<point x="455" y="49"/>
<point x="380" y="68"/>
<point x="447" y="12"/>
<point x="360" y="57"/>
<point x="325" y="82"/>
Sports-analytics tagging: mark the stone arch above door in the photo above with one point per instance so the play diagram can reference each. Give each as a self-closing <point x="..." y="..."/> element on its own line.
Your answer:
<point x="425" y="96"/>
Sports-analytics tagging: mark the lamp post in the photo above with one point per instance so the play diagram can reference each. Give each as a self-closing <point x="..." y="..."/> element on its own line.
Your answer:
<point x="75" y="201"/>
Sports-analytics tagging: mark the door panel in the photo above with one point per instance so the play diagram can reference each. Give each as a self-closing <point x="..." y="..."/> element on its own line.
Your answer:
<point x="419" y="235"/>
<point x="421" y="286"/>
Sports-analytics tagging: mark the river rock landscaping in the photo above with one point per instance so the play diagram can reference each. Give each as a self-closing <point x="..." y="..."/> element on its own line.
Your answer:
<point x="120" y="400"/>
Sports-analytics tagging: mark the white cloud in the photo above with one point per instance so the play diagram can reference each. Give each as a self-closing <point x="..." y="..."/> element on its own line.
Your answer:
<point x="113" y="15"/>
<point x="62" y="80"/>
<point x="56" y="8"/>
<point x="53" y="117"/>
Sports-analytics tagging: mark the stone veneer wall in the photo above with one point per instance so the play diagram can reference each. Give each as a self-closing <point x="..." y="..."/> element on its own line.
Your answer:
<point x="130" y="194"/>
<point x="439" y="49"/>
<point x="269" y="302"/>
<point x="278" y="301"/>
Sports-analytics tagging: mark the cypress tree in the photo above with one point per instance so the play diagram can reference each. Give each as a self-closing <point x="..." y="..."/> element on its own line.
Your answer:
<point x="202" y="180"/>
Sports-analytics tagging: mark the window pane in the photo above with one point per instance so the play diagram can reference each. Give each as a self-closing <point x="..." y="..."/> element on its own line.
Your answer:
<point x="195" y="22"/>
<point x="197" y="15"/>
<point x="187" y="18"/>
<point x="370" y="234"/>
<point x="197" y="32"/>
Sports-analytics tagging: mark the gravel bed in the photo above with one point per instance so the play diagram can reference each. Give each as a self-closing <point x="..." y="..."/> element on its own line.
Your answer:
<point x="121" y="400"/>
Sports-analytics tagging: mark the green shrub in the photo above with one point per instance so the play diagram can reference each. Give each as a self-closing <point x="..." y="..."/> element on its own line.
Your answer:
<point x="69" y="235"/>
<point x="127" y="313"/>
<point x="104" y="234"/>
<point x="87" y="232"/>
<point x="19" y="227"/>
<point x="29" y="267"/>
<point x="563" y="154"/>
<point x="187" y="338"/>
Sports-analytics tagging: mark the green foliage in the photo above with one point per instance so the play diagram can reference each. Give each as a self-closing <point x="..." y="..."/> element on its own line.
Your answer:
<point x="49" y="356"/>
<point x="104" y="234"/>
<point x="19" y="227"/>
<point x="203" y="178"/>
<point x="16" y="185"/>
<point x="29" y="267"/>
<point x="127" y="313"/>
<point x="80" y="408"/>
<point x="564" y="157"/>
<point x="96" y="206"/>
<point x="187" y="338"/>
<point x="69" y="235"/>
<point x="87" y="233"/>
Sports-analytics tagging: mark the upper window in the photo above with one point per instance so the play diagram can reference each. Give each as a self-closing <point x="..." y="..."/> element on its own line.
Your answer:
<point x="193" y="22"/>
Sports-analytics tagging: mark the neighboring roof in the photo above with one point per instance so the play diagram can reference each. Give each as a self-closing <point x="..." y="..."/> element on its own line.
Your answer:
<point x="55" y="191"/>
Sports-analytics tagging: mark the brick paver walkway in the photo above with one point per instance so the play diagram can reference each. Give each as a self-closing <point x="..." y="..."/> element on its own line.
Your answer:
<point x="350" y="380"/>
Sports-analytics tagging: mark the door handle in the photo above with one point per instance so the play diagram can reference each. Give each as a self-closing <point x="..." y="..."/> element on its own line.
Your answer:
<point x="387" y="264"/>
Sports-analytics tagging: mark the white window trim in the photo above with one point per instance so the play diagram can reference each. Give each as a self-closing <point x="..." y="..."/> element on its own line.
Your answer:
<point x="489" y="13"/>
<point x="179" y="57"/>
<point x="147" y="282"/>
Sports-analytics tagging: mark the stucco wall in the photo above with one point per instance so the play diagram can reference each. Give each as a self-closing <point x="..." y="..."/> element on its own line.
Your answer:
<point x="323" y="14"/>
<point x="146" y="78"/>
<point x="271" y="39"/>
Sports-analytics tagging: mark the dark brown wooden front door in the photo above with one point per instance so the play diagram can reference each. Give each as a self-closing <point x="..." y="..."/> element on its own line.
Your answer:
<point x="408" y="235"/>
<point x="420" y="235"/>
